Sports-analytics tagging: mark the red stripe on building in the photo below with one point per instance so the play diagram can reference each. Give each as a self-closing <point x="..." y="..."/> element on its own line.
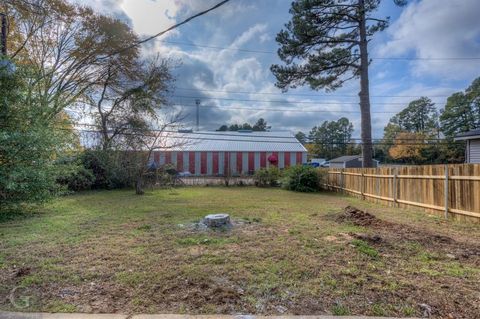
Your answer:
<point x="215" y="163"/>
<point x="299" y="158"/>
<point x="251" y="162"/>
<point x="168" y="157"/>
<point x="179" y="162"/>
<point x="156" y="157"/>
<point x="263" y="159"/>
<point x="287" y="159"/>
<point x="239" y="162"/>
<point x="191" y="162"/>
<point x="226" y="163"/>
<point x="203" y="163"/>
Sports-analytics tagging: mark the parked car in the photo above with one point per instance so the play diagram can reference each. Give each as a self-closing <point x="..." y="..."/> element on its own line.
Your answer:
<point x="325" y="164"/>
<point x="311" y="164"/>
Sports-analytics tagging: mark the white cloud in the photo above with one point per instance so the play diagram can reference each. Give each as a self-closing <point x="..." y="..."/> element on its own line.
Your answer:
<point x="149" y="17"/>
<point x="438" y="29"/>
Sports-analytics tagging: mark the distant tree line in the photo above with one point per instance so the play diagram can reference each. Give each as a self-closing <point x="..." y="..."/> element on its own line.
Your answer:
<point x="259" y="126"/>
<point x="419" y="134"/>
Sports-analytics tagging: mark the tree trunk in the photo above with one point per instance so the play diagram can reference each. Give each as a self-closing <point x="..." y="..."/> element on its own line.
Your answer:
<point x="366" y="133"/>
<point x="139" y="186"/>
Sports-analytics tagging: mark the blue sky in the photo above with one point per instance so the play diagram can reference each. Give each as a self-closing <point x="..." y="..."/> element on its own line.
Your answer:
<point x="215" y="71"/>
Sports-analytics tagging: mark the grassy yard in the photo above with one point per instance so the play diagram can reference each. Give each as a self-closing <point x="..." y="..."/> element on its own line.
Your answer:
<point x="113" y="251"/>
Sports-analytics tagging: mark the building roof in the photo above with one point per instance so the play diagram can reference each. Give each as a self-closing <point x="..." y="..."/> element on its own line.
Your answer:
<point x="348" y="158"/>
<point x="343" y="159"/>
<point x="473" y="134"/>
<point x="243" y="141"/>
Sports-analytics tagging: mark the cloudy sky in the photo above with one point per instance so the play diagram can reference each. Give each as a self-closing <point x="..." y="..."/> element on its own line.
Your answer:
<point x="224" y="59"/>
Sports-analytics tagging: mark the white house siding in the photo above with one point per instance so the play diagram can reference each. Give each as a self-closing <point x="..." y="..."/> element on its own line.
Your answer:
<point x="474" y="151"/>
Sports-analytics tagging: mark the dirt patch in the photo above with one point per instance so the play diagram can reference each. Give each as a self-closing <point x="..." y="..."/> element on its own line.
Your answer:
<point x="22" y="271"/>
<point x="358" y="217"/>
<point x="339" y="238"/>
<point x="389" y="234"/>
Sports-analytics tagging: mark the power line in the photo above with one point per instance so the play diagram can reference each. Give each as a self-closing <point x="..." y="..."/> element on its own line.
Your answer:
<point x="301" y="94"/>
<point x="284" y="102"/>
<point x="284" y="110"/>
<point x="273" y="52"/>
<point x="166" y="30"/>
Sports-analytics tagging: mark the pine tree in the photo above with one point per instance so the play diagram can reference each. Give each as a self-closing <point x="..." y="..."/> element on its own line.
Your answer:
<point x="326" y="44"/>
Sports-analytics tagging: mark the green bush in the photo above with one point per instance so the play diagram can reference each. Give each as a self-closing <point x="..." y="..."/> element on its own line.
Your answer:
<point x="109" y="168"/>
<point x="267" y="177"/>
<point x="303" y="179"/>
<point x="81" y="180"/>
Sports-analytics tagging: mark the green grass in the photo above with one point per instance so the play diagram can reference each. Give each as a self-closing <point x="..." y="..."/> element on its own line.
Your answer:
<point x="142" y="254"/>
<point x="340" y="310"/>
<point x="365" y="248"/>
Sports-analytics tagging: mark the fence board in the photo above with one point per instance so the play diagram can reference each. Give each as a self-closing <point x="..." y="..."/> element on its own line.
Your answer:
<point x="452" y="191"/>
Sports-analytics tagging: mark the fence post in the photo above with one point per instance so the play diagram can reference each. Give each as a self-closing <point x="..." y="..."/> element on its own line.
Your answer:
<point x="377" y="181"/>
<point x="342" y="181"/>
<point x="395" y="187"/>
<point x="446" y="191"/>
<point x="362" y="189"/>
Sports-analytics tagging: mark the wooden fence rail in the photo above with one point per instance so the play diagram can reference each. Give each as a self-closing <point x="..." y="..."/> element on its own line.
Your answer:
<point x="450" y="190"/>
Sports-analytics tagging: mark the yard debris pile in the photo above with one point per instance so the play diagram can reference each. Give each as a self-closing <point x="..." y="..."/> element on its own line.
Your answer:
<point x="358" y="217"/>
<point x="385" y="234"/>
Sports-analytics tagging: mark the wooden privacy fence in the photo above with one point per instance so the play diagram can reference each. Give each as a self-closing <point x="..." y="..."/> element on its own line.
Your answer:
<point x="451" y="190"/>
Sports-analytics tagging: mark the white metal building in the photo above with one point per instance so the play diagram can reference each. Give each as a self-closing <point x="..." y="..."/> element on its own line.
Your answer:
<point x="219" y="153"/>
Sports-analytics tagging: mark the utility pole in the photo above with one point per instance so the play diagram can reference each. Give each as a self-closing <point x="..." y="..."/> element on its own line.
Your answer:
<point x="3" y="36"/>
<point x="197" y="102"/>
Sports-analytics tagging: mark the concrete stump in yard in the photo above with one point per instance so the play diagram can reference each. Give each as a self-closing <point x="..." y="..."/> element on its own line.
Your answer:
<point x="217" y="220"/>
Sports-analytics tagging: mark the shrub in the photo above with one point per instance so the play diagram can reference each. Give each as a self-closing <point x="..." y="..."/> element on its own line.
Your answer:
<point x="303" y="179"/>
<point x="110" y="168"/>
<point x="267" y="177"/>
<point x="81" y="180"/>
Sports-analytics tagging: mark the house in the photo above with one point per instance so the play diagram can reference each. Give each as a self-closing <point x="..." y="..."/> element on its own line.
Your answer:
<point x="236" y="153"/>
<point x="351" y="161"/>
<point x="472" y="150"/>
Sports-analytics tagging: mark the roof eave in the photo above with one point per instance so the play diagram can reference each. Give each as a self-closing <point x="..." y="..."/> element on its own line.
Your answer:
<point x="463" y="138"/>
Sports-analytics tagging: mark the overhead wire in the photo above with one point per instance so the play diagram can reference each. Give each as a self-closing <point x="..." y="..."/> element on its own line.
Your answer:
<point x="138" y="43"/>
<point x="301" y="94"/>
<point x="283" y="102"/>
<point x="273" y="52"/>
<point x="226" y="108"/>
